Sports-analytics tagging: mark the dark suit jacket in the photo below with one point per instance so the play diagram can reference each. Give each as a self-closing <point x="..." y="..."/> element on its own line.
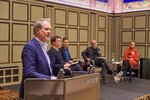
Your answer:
<point x="34" y="62"/>
<point x="56" y="60"/>
<point x="88" y="53"/>
<point x="62" y="51"/>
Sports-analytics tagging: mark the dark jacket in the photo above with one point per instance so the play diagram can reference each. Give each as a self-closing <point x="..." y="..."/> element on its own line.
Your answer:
<point x="34" y="62"/>
<point x="88" y="53"/>
<point x="56" y="60"/>
<point x="62" y="51"/>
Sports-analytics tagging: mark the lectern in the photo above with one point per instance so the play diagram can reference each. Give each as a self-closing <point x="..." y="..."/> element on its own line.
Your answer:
<point x="84" y="87"/>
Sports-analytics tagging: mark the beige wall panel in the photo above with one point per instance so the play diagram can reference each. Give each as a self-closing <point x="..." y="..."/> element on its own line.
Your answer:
<point x="149" y="36"/>
<point x="103" y="49"/>
<point x="83" y="35"/>
<point x="81" y="49"/>
<point x="148" y="51"/>
<point x="149" y="21"/>
<point x="73" y="34"/>
<point x="142" y="51"/>
<point x="84" y="19"/>
<point x="126" y="36"/>
<point x="72" y="18"/>
<point x="31" y="32"/>
<point x="73" y="51"/>
<point x="20" y="32"/>
<point x="16" y="53"/>
<point x="60" y="31"/>
<point x="4" y="10"/>
<point x="140" y="21"/>
<point x="20" y="11"/>
<point x="101" y="22"/>
<point x="101" y="36"/>
<point x="4" y="54"/>
<point x="50" y="13"/>
<point x="4" y="31"/>
<point x="60" y="16"/>
<point x="127" y="22"/>
<point x="123" y="48"/>
<point x="140" y="36"/>
<point x="37" y="12"/>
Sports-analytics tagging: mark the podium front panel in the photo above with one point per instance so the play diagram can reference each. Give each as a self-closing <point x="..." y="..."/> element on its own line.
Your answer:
<point x="85" y="87"/>
<point x="38" y="89"/>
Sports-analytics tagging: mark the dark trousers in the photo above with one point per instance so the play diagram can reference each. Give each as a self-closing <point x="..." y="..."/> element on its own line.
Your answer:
<point x="74" y="67"/>
<point x="102" y="63"/>
<point x="127" y="67"/>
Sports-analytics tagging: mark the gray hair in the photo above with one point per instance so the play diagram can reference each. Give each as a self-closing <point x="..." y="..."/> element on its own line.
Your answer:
<point x="39" y="24"/>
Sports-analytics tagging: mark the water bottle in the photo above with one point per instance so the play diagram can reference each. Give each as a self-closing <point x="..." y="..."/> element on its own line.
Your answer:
<point x="113" y="57"/>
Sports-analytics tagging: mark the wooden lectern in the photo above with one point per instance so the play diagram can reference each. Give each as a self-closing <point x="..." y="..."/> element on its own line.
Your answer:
<point x="84" y="87"/>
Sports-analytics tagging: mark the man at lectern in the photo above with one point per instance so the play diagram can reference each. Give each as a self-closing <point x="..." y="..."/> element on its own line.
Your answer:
<point x="36" y="63"/>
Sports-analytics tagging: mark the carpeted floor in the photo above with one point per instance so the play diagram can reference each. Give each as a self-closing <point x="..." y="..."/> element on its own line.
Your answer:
<point x="118" y="91"/>
<point x="124" y="90"/>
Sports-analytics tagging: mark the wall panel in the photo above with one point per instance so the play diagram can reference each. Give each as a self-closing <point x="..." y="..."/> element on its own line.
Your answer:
<point x="16" y="52"/>
<point x="140" y="36"/>
<point x="20" y="32"/>
<point x="60" y="16"/>
<point x="101" y="21"/>
<point x="83" y="35"/>
<point x="84" y="19"/>
<point x="4" y="32"/>
<point x="126" y="36"/>
<point x="73" y="51"/>
<point x="73" y="34"/>
<point x="101" y="37"/>
<point x="72" y="18"/>
<point x="140" y="21"/>
<point x="5" y="10"/>
<point x="5" y="53"/>
<point x="127" y="22"/>
<point x="36" y="12"/>
<point x="20" y="11"/>
<point x="60" y="31"/>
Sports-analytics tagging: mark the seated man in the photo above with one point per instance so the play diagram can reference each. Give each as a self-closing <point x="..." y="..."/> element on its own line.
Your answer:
<point x="93" y="53"/>
<point x="130" y="61"/>
<point x="65" y="52"/>
<point x="57" y="60"/>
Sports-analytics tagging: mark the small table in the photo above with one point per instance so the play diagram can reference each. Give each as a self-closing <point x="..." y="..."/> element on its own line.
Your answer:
<point x="116" y="65"/>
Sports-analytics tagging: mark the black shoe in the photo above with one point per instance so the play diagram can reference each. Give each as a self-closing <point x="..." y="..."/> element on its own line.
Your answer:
<point x="111" y="72"/>
<point x="105" y="82"/>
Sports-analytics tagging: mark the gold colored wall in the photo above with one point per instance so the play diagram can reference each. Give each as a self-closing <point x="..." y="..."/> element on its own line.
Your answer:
<point x="133" y="26"/>
<point x="112" y="32"/>
<point x="16" y="22"/>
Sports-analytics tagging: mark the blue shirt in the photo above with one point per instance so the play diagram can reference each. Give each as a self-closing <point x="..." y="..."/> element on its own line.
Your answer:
<point x="67" y="56"/>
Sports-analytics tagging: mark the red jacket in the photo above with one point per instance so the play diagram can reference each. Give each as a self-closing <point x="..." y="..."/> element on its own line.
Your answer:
<point x="132" y="55"/>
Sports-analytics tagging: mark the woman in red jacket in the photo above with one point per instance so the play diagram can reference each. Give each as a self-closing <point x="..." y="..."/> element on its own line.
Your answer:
<point x="130" y="61"/>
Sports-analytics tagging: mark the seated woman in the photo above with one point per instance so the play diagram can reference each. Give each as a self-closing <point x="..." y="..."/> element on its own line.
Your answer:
<point x="130" y="61"/>
<point x="56" y="58"/>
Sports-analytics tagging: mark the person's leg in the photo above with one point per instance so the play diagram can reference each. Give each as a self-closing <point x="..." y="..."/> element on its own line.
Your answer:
<point x="104" y="69"/>
<point x="125" y="67"/>
<point x="76" y="67"/>
<point x="109" y="71"/>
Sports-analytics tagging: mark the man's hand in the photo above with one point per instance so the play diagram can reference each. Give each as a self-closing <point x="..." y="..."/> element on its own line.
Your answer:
<point x="53" y="77"/>
<point x="67" y="65"/>
<point x="70" y="62"/>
